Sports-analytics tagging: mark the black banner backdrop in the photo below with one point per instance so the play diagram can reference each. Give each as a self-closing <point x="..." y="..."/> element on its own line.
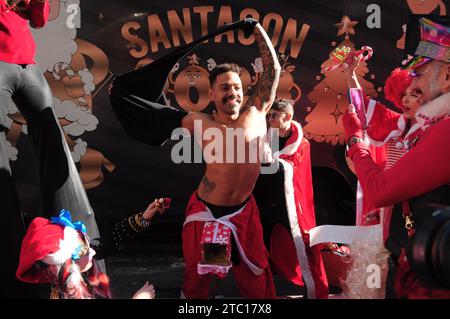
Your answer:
<point x="86" y="43"/>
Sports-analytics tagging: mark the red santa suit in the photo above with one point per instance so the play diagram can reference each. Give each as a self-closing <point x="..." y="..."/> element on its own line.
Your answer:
<point x="388" y="141"/>
<point x="290" y="254"/>
<point x="252" y="275"/>
<point x="421" y="176"/>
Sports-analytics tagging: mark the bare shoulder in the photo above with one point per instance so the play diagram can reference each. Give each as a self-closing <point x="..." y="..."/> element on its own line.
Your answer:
<point x="189" y="120"/>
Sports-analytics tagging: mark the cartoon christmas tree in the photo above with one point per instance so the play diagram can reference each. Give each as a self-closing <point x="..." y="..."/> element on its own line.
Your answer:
<point x="329" y="97"/>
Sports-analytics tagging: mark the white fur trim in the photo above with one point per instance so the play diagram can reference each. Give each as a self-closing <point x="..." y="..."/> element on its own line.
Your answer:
<point x="295" y="229"/>
<point x="401" y="125"/>
<point x="396" y="134"/>
<point x="359" y="204"/>
<point x="434" y="109"/>
<point x="392" y="135"/>
<point x="293" y="147"/>
<point x="370" y="110"/>
<point x="67" y="246"/>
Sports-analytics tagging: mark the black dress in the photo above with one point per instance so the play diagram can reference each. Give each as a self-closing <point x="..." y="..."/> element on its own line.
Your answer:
<point x="123" y="232"/>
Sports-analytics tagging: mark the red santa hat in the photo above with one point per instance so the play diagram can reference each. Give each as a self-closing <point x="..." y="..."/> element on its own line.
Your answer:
<point x="48" y="241"/>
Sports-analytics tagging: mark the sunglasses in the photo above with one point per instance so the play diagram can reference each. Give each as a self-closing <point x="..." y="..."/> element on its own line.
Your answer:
<point x="273" y="116"/>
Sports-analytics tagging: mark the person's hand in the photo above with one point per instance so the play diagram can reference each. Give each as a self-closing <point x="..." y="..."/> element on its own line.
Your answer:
<point x="350" y="63"/>
<point x="146" y="292"/>
<point x="157" y="206"/>
<point x="352" y="124"/>
<point x="248" y="25"/>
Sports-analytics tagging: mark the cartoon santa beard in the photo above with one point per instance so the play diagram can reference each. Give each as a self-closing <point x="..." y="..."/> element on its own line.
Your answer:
<point x="55" y="50"/>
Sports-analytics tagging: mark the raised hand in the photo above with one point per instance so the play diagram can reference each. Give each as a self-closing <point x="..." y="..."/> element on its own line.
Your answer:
<point x="351" y="123"/>
<point x="157" y="206"/>
<point x="351" y="63"/>
<point x="248" y="25"/>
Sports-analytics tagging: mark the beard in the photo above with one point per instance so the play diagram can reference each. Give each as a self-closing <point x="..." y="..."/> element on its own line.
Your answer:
<point x="231" y="103"/>
<point x="435" y="90"/>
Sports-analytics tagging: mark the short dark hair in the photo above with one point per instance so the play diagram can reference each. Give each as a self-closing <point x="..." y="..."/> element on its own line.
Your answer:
<point x="283" y="105"/>
<point x="223" y="68"/>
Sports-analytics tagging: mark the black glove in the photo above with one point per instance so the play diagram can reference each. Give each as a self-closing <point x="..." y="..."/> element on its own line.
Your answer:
<point x="247" y="25"/>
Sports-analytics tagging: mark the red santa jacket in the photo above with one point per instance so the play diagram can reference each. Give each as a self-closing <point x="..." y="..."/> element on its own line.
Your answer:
<point x="291" y="256"/>
<point x="424" y="168"/>
<point x="388" y="143"/>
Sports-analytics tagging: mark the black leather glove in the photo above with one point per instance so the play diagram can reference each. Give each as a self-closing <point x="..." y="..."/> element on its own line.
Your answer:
<point x="247" y="25"/>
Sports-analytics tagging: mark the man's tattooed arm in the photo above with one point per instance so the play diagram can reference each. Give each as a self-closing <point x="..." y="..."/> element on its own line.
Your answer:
<point x="267" y="85"/>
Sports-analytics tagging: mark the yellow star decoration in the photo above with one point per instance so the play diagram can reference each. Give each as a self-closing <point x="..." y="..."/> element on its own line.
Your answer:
<point x="346" y="26"/>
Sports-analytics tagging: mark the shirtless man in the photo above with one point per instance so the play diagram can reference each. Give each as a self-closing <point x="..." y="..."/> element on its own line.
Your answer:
<point x="226" y="188"/>
<point x="228" y="182"/>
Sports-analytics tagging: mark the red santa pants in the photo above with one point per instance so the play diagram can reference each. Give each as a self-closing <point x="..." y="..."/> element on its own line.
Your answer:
<point x="249" y="231"/>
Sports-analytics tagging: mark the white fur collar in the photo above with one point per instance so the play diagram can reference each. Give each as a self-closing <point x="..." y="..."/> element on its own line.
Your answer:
<point x="291" y="148"/>
<point x="433" y="110"/>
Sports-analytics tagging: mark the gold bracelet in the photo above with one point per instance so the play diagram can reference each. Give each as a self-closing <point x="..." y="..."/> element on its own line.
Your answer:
<point x="131" y="224"/>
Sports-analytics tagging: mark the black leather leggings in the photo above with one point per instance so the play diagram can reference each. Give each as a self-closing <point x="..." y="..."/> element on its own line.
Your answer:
<point x="60" y="184"/>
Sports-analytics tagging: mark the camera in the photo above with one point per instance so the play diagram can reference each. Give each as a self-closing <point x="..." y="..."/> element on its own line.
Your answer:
<point x="429" y="250"/>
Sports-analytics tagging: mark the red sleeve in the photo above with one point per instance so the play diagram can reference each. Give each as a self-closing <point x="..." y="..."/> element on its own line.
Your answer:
<point x="383" y="122"/>
<point x="38" y="12"/>
<point x="424" y="168"/>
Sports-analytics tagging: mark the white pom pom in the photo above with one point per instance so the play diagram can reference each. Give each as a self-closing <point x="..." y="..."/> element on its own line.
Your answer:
<point x="67" y="246"/>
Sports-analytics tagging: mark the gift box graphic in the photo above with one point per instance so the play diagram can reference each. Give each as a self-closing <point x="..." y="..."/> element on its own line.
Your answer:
<point x="216" y="250"/>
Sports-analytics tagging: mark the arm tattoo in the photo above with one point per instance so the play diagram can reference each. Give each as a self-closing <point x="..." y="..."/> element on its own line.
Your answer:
<point x="268" y="83"/>
<point x="208" y="187"/>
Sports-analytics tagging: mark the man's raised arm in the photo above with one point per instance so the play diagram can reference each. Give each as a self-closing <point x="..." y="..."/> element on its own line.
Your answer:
<point x="267" y="85"/>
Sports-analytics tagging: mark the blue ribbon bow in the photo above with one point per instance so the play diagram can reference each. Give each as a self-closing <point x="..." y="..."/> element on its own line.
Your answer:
<point x="65" y="219"/>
